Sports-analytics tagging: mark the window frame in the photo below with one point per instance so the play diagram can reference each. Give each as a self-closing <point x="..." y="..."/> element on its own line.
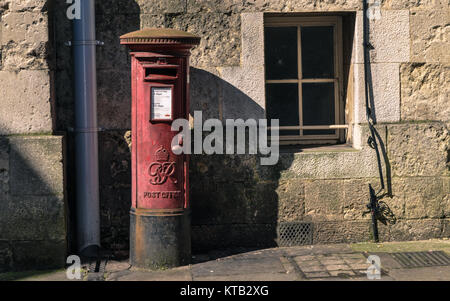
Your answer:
<point x="339" y="126"/>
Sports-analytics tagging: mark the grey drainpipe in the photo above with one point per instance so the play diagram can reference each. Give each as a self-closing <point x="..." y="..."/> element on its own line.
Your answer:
<point x="86" y="138"/>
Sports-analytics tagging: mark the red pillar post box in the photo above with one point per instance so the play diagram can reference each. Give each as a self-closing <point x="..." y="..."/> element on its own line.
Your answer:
<point x="159" y="216"/>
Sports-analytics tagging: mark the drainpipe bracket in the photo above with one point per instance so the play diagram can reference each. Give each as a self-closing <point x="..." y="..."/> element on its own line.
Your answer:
<point x="81" y="43"/>
<point x="85" y="130"/>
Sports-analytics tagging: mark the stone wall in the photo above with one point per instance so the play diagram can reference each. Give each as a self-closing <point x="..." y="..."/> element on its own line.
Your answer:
<point x="236" y="201"/>
<point x="32" y="187"/>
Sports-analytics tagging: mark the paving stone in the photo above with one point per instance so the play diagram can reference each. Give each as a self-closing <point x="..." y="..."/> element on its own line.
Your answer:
<point x="178" y="274"/>
<point x="115" y="266"/>
<point x="318" y="250"/>
<point x="251" y="277"/>
<point x="312" y="268"/>
<point x="342" y="273"/>
<point x="307" y="263"/>
<point x="336" y="267"/>
<point x="316" y="274"/>
<point x="359" y="266"/>
<point x="304" y="258"/>
<point x="237" y="267"/>
<point x="53" y="276"/>
<point x="327" y="262"/>
<point x="353" y="257"/>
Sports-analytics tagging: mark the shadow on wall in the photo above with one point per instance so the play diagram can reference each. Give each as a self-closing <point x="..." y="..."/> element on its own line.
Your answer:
<point x="32" y="203"/>
<point x="234" y="199"/>
<point x="32" y="180"/>
<point x="373" y="114"/>
<point x="217" y="98"/>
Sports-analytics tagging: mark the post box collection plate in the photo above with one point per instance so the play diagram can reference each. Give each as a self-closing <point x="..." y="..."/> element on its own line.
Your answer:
<point x="161" y="103"/>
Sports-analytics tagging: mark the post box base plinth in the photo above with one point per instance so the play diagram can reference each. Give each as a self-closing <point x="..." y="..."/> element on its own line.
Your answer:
<point x="160" y="238"/>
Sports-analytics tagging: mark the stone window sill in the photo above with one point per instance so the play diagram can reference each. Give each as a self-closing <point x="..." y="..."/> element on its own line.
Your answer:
<point x="317" y="148"/>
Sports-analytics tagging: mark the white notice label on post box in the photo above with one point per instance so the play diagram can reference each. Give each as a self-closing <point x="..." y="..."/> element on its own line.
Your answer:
<point x="161" y="103"/>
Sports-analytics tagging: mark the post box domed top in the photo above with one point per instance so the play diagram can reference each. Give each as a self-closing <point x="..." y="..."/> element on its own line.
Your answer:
<point x="160" y="36"/>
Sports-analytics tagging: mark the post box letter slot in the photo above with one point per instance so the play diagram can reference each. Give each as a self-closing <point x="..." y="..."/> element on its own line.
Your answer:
<point x="161" y="100"/>
<point x="161" y="73"/>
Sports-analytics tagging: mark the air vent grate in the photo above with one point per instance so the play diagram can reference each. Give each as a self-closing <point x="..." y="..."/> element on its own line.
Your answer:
<point x="421" y="259"/>
<point x="294" y="234"/>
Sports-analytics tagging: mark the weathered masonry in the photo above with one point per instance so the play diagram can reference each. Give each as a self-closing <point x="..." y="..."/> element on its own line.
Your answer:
<point x="323" y="172"/>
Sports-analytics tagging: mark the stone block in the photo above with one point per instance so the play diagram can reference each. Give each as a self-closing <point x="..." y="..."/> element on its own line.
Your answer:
<point x="362" y="133"/>
<point x="36" y="165"/>
<point x="65" y="110"/>
<point x="393" y="206"/>
<point x="35" y="218"/>
<point x="385" y="88"/>
<point x="242" y="89"/>
<point x="220" y="34"/>
<point x="418" y="149"/>
<point x="28" y="92"/>
<point x="419" y="4"/>
<point x="243" y="92"/>
<point x="114" y="98"/>
<point x="252" y="28"/>
<point x="228" y="189"/>
<point x="152" y="21"/>
<point x="416" y="229"/>
<point x="324" y="200"/>
<point x="356" y="197"/>
<point x="214" y="237"/>
<point x="115" y="162"/>
<point x="24" y="40"/>
<point x="339" y="232"/>
<point x="446" y="228"/>
<point x="62" y="34"/>
<point x="4" y="168"/>
<point x="425" y="91"/>
<point x="219" y="189"/>
<point x="330" y="165"/>
<point x="113" y="55"/>
<point x="291" y="200"/>
<point x="206" y="92"/>
<point x="16" y="57"/>
<point x="446" y="199"/>
<point x="115" y="188"/>
<point x="115" y="202"/>
<point x="430" y="35"/>
<point x="39" y="254"/>
<point x="29" y="27"/>
<point x="300" y="6"/>
<point x="126" y="7"/>
<point x="27" y="5"/>
<point x="162" y="6"/>
<point x="420" y="197"/>
<point x="389" y="37"/>
<point x="5" y="256"/>
<point x="262" y="203"/>
<point x="222" y="6"/>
